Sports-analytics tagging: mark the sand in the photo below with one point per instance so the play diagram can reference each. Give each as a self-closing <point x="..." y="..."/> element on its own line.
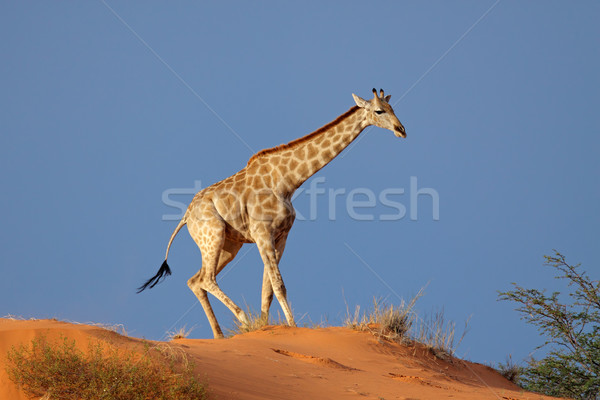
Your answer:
<point x="296" y="363"/>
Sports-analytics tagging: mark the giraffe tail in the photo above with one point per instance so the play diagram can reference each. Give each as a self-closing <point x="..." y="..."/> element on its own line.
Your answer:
<point x="164" y="269"/>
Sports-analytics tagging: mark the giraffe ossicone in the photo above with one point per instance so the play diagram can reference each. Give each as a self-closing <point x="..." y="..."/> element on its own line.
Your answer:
<point x="254" y="206"/>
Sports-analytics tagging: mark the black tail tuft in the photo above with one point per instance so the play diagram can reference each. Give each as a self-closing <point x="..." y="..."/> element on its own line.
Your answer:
<point x="162" y="272"/>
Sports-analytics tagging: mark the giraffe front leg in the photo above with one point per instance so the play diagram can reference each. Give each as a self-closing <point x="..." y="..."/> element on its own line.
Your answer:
<point x="267" y="288"/>
<point x="281" y="293"/>
<point x="266" y="297"/>
<point x="270" y="259"/>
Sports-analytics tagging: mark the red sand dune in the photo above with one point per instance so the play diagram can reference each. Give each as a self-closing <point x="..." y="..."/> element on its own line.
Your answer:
<point x="297" y="363"/>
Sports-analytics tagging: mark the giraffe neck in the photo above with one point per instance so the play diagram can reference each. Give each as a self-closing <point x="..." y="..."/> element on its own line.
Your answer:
<point x="292" y="164"/>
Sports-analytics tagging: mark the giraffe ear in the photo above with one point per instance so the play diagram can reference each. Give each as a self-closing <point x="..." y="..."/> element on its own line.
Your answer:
<point x="362" y="103"/>
<point x="387" y="98"/>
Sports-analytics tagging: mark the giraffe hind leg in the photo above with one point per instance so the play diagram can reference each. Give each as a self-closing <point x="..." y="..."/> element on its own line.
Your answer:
<point x="216" y="253"/>
<point x="202" y="295"/>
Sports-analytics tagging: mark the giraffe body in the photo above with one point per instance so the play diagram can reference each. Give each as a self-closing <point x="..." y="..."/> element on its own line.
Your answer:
<point x="254" y="206"/>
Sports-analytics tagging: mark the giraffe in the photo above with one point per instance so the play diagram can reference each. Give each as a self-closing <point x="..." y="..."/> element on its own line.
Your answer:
<point x="254" y="206"/>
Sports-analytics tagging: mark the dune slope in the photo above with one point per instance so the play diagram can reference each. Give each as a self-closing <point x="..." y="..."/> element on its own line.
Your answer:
<point x="297" y="363"/>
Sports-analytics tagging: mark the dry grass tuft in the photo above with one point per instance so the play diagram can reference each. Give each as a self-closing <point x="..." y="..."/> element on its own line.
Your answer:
<point x="255" y="322"/>
<point x="181" y="333"/>
<point x="173" y="354"/>
<point x="116" y="328"/>
<point x="510" y="370"/>
<point x="323" y="323"/>
<point x="61" y="371"/>
<point x="402" y="324"/>
<point x="438" y="334"/>
<point x="385" y="321"/>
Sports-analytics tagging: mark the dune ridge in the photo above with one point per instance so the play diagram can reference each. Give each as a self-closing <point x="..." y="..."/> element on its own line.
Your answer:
<point x="280" y="362"/>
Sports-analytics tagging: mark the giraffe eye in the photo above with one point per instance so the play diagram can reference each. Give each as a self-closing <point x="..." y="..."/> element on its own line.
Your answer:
<point x="379" y="112"/>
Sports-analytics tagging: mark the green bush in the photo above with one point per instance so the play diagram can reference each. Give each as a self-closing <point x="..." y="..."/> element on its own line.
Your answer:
<point x="571" y="326"/>
<point x="61" y="371"/>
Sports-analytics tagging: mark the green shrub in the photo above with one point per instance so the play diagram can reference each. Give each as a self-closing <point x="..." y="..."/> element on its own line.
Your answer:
<point x="571" y="327"/>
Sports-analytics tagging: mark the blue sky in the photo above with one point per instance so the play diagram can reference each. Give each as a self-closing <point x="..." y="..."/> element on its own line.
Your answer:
<point x="105" y="107"/>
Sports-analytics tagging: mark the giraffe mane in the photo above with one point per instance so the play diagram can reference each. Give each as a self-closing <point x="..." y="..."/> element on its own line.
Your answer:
<point x="303" y="139"/>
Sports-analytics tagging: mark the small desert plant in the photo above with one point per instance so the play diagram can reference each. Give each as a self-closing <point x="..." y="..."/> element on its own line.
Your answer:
<point x="324" y="323"/>
<point x="386" y="321"/>
<point x="117" y="328"/>
<point x="173" y="354"/>
<point x="14" y="317"/>
<point x="255" y="322"/>
<point x="401" y="323"/>
<point x="180" y="333"/>
<point x="510" y="370"/>
<point x="438" y="334"/>
<point x="61" y="371"/>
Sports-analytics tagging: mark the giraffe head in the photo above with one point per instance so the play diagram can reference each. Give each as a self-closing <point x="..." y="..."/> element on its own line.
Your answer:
<point x="380" y="112"/>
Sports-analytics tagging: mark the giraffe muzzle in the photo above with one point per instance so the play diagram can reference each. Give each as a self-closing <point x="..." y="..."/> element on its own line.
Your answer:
<point x="399" y="131"/>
